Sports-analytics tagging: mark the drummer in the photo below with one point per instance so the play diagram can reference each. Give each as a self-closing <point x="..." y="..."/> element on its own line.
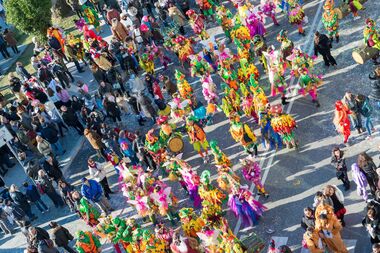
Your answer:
<point x="197" y="137"/>
<point x="166" y="129"/>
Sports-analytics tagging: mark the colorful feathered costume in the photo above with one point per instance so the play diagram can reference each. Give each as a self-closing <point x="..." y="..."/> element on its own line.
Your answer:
<point x="286" y="44"/>
<point x="268" y="7"/>
<point x="371" y="35"/>
<point x="244" y="206"/>
<point x="91" y="17"/>
<point x="284" y="125"/>
<point x="247" y="70"/>
<point x="330" y="20"/>
<point x="88" y="212"/>
<point x="255" y="25"/>
<point x="299" y="61"/>
<point x="184" y="88"/>
<point x="147" y="63"/>
<point x="191" y="224"/>
<point x="199" y="66"/>
<point x="197" y="22"/>
<point x="87" y="242"/>
<point x="341" y="120"/>
<point x="224" y="18"/>
<point x="209" y="89"/>
<point x="220" y="158"/>
<point x="183" y="47"/>
<point x="296" y="15"/>
<point x="308" y="84"/>
<point x="242" y="38"/>
<point x="252" y="172"/>
<point x="242" y="133"/>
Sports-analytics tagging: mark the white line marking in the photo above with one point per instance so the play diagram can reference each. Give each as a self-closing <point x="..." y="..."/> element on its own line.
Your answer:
<point x="269" y="164"/>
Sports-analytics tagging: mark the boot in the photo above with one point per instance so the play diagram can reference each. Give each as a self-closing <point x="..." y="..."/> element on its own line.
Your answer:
<point x="337" y="39"/>
<point x="283" y="101"/>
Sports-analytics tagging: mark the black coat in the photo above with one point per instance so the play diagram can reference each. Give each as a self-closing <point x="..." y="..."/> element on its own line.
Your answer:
<point x="53" y="170"/>
<point x="32" y="193"/>
<point x="20" y="199"/>
<point x="339" y="163"/>
<point x="61" y="236"/>
<point x="50" y="134"/>
<point x="375" y="85"/>
<point x="70" y="117"/>
<point x="369" y="171"/>
<point x="323" y="46"/>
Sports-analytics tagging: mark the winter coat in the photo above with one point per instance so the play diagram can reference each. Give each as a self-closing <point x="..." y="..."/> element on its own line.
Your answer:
<point x="70" y="118"/>
<point x="102" y="62"/>
<point x="338" y="163"/>
<point x="323" y="46"/>
<point x="374" y="224"/>
<point x="169" y="86"/>
<point x="61" y="236"/>
<point x="92" y="192"/>
<point x="20" y="199"/>
<point x="44" y="148"/>
<point x="98" y="172"/>
<point x="32" y="193"/>
<point x="119" y="31"/>
<point x="94" y="139"/>
<point x="50" y="134"/>
<point x="112" y="109"/>
<point x="10" y="39"/>
<point x="53" y="170"/>
<point x="111" y="14"/>
<point x="144" y="105"/>
<point x="370" y="171"/>
<point x="307" y="222"/>
<point x="177" y="16"/>
<point x="46" y="183"/>
<point x="375" y="85"/>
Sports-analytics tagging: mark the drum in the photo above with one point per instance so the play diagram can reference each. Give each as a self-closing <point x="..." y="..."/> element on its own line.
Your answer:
<point x="175" y="144"/>
<point x="344" y="9"/>
<point x="364" y="53"/>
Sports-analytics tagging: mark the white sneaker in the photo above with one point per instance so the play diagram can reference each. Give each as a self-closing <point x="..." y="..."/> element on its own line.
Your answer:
<point x="357" y="17"/>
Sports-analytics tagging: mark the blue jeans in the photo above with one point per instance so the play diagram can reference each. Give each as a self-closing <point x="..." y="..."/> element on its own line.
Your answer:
<point x="41" y="205"/>
<point x="57" y="148"/>
<point x="378" y="104"/>
<point x="368" y="125"/>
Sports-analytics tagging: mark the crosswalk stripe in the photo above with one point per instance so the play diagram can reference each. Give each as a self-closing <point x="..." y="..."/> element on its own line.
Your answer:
<point x="350" y="244"/>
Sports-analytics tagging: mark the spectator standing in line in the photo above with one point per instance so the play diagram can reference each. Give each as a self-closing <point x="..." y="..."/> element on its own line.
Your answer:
<point x="46" y="186"/>
<point x="11" y="41"/>
<point x="34" y="196"/>
<point x="339" y="162"/>
<point x="21" y="201"/>
<point x="3" y="48"/>
<point x="96" y="142"/>
<point x="43" y="146"/>
<point x="93" y="191"/>
<point x="22" y="72"/>
<point x="99" y="174"/>
<point x="71" y="119"/>
<point x="61" y="236"/>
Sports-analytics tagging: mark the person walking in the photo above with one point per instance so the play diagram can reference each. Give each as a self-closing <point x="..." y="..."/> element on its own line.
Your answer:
<point x="145" y="106"/>
<point x="368" y="167"/>
<point x="360" y="181"/>
<point x="34" y="196"/>
<point x="350" y="101"/>
<point x="46" y="186"/>
<point x="329" y="229"/>
<point x="93" y="191"/>
<point x="339" y="162"/>
<point x="375" y="86"/>
<point x="21" y="201"/>
<point x="99" y="174"/>
<point x="61" y="236"/>
<point x="3" y="48"/>
<point x="322" y="45"/>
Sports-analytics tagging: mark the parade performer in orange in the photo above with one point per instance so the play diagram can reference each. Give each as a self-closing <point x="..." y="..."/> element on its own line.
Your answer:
<point x="57" y="33"/>
<point x="341" y="120"/>
<point x="87" y="243"/>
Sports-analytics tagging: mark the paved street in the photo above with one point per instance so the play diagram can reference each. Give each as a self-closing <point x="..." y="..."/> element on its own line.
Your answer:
<point x="291" y="177"/>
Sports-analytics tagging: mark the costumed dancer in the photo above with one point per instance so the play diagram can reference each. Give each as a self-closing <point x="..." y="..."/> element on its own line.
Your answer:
<point x="287" y="45"/>
<point x="87" y="211"/>
<point x="330" y="20"/>
<point x="91" y="17"/>
<point x="191" y="224"/>
<point x="355" y="6"/>
<point x="224" y="18"/>
<point x="247" y="70"/>
<point x="268" y="8"/>
<point x="197" y="137"/>
<point x="255" y="24"/>
<point x="247" y="104"/>
<point x="155" y="147"/>
<point x="296" y="15"/>
<point x="259" y="46"/>
<point x="372" y="37"/>
<point x="207" y="7"/>
<point x="227" y="179"/>
<point x="242" y="38"/>
<point x="209" y="89"/>
<point x="220" y="158"/>
<point x="210" y="195"/>
<point x="140" y="201"/>
<point x="147" y="63"/>
<point x="284" y="125"/>
<point x="242" y="133"/>
<point x="308" y="84"/>
<point x="164" y="199"/>
<point x="299" y="61"/>
<point x="183" y="47"/>
<point x="231" y="102"/>
<point x="158" y="52"/>
<point x="244" y="206"/>
<point x="87" y="242"/>
<point x="267" y="132"/>
<point x="59" y="35"/>
<point x="252" y="172"/>
<point x="259" y="97"/>
<point x="341" y="120"/>
<point x="199" y="66"/>
<point x="197" y="22"/>
<point x="276" y="73"/>
<point x="184" y="88"/>
<point x="107" y="230"/>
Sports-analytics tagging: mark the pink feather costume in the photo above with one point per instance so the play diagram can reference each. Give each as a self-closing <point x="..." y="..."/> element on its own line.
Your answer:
<point x="252" y="172"/>
<point x="268" y="8"/>
<point x="209" y="89"/>
<point x="244" y="206"/>
<point x="255" y="25"/>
